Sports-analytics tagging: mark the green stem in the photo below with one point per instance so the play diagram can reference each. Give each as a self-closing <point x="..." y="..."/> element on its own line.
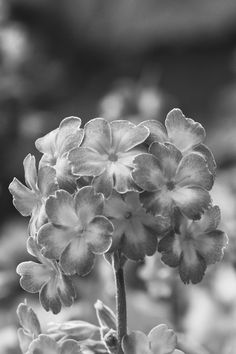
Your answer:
<point x="120" y="307"/>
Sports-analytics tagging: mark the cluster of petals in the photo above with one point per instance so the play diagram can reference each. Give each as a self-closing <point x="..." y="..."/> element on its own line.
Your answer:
<point x="160" y="340"/>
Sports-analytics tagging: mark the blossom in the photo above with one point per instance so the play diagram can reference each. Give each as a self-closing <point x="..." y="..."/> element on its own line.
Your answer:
<point x="30" y="200"/>
<point x="186" y="134"/>
<point x="46" y="278"/>
<point x="45" y="345"/>
<point x="107" y="154"/>
<point x="76" y="230"/>
<point x="135" y="231"/>
<point x="193" y="245"/>
<point x="170" y="180"/>
<point x="160" y="340"/>
<point x="55" y="147"/>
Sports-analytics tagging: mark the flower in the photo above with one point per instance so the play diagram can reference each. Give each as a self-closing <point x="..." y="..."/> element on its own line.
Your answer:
<point x="46" y="278"/>
<point x="135" y="231"/>
<point x="160" y="340"/>
<point x="76" y="230"/>
<point x="55" y="147"/>
<point x="170" y="180"/>
<point x="193" y="245"/>
<point x="186" y="134"/>
<point x="107" y="154"/>
<point x="30" y="200"/>
<point x="46" y="345"/>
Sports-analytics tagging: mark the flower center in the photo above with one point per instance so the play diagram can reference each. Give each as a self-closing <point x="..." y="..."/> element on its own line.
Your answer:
<point x="128" y="215"/>
<point x="170" y="185"/>
<point x="113" y="157"/>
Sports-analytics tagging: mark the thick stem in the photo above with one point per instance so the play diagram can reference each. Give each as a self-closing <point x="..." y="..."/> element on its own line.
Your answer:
<point x="120" y="307"/>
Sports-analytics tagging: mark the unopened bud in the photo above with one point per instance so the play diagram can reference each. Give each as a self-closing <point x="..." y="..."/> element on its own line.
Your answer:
<point x="105" y="315"/>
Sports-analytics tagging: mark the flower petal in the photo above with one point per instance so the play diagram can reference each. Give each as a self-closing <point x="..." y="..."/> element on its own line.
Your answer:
<point x="97" y="135"/>
<point x="69" y="135"/>
<point x="24" y="339"/>
<point x="192" y="266"/>
<point x="123" y="181"/>
<point x="169" y="247"/>
<point x="157" y="131"/>
<point x="104" y="183"/>
<point x="147" y="173"/>
<point x="126" y="135"/>
<point x="24" y="199"/>
<point x="33" y="276"/>
<point x="70" y="347"/>
<point x="206" y="153"/>
<point x="193" y="170"/>
<point x="44" y="345"/>
<point x="46" y="144"/>
<point x="65" y="289"/>
<point x="87" y="162"/>
<point x="115" y="206"/>
<point x="54" y="239"/>
<point x="88" y="204"/>
<point x="49" y="298"/>
<point x="163" y="340"/>
<point x="60" y="209"/>
<point x="159" y="202"/>
<point x="191" y="200"/>
<point x="28" y="319"/>
<point x="127" y="158"/>
<point x="47" y="181"/>
<point x="98" y="234"/>
<point x="77" y="257"/>
<point x="183" y="132"/>
<point x="208" y="222"/>
<point x="30" y="172"/>
<point x="136" y="343"/>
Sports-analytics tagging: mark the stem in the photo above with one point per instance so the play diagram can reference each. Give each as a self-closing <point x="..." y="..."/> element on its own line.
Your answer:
<point x="120" y="307"/>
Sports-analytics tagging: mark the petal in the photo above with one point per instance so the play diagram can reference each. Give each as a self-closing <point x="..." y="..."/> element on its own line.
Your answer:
<point x="123" y="181"/>
<point x="24" y="340"/>
<point x="54" y="239"/>
<point x="77" y="257"/>
<point x="65" y="290"/>
<point x="159" y="202"/>
<point x="65" y="178"/>
<point x="37" y="219"/>
<point x="191" y="200"/>
<point x="97" y="135"/>
<point x="24" y="199"/>
<point x="104" y="183"/>
<point x="147" y="173"/>
<point x="30" y="171"/>
<point x="126" y="135"/>
<point x="46" y="144"/>
<point x="163" y="340"/>
<point x="208" y="222"/>
<point x="206" y="153"/>
<point x="127" y="158"/>
<point x="136" y="343"/>
<point x="28" y="319"/>
<point x="183" y="132"/>
<point x="98" y="234"/>
<point x="169" y="247"/>
<point x="115" y="206"/>
<point x="169" y="157"/>
<point x="69" y="135"/>
<point x="192" y="266"/>
<point x="87" y="162"/>
<point x="33" y="276"/>
<point x="157" y="131"/>
<point x="176" y="351"/>
<point x="118" y="233"/>
<point x="49" y="298"/>
<point x="193" y="170"/>
<point x="60" y="209"/>
<point x="70" y="347"/>
<point x="210" y="245"/>
<point x="88" y="204"/>
<point x="44" y="345"/>
<point x="47" y="181"/>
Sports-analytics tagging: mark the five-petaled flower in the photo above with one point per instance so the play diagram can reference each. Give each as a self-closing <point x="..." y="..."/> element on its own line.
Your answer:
<point x="193" y="245"/>
<point x="53" y="286"/>
<point x="186" y="134"/>
<point x="171" y="180"/>
<point x="160" y="340"/>
<point x="55" y="147"/>
<point x="135" y="231"/>
<point x="76" y="230"/>
<point x="30" y="200"/>
<point x="107" y="154"/>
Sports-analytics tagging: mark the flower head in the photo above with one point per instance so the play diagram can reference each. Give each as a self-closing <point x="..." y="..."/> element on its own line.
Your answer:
<point x="30" y="200"/>
<point x="193" y="245"/>
<point x="160" y="340"/>
<point x="53" y="286"/>
<point x="170" y="180"/>
<point x="76" y="230"/>
<point x="107" y="154"/>
<point x="135" y="231"/>
<point x="55" y="147"/>
<point x="186" y="134"/>
<point x="46" y="345"/>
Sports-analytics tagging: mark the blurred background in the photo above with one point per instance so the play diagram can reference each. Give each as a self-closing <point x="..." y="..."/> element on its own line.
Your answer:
<point x="132" y="60"/>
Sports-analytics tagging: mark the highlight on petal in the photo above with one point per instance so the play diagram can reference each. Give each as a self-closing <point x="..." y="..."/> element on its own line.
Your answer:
<point x="24" y="199"/>
<point x="88" y="204"/>
<point x="183" y="132"/>
<point x="157" y="131"/>
<point x="193" y="170"/>
<point x="126" y="135"/>
<point x="97" y="135"/>
<point x="136" y="343"/>
<point x="87" y="162"/>
<point x="163" y="340"/>
<point x="30" y="171"/>
<point x="98" y="234"/>
<point x="147" y="173"/>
